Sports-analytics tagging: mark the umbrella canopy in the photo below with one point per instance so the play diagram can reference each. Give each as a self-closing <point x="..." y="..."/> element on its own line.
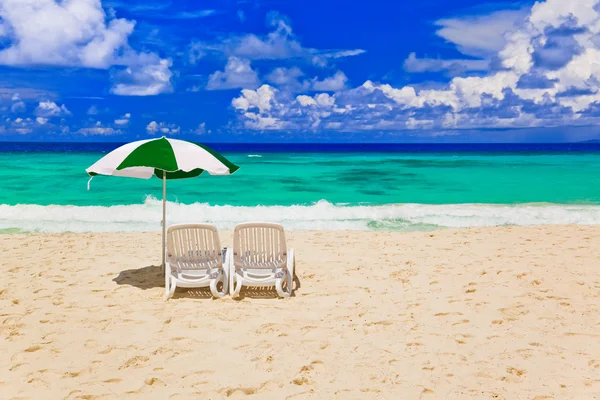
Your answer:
<point x="177" y="158"/>
<point x="164" y="158"/>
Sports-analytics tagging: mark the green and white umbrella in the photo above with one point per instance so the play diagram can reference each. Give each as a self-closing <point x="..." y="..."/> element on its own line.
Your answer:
<point x="165" y="159"/>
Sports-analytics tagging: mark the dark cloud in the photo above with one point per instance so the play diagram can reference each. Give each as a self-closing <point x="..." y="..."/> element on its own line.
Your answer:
<point x="535" y="80"/>
<point x="558" y="46"/>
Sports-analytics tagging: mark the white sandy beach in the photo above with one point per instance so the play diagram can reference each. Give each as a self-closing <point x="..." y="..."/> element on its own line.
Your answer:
<point x="479" y="313"/>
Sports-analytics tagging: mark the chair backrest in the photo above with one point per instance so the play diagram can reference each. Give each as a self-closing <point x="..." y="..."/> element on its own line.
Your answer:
<point x="259" y="245"/>
<point x="192" y="246"/>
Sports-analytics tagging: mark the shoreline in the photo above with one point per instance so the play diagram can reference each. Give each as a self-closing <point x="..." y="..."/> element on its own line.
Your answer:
<point x="495" y="312"/>
<point x="320" y="216"/>
<point x="306" y="231"/>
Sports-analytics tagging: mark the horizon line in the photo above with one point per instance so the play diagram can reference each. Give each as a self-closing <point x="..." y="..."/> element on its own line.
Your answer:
<point x="592" y="141"/>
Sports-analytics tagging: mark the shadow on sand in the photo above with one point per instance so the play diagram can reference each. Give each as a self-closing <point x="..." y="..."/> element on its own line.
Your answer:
<point x="142" y="278"/>
<point x="152" y="277"/>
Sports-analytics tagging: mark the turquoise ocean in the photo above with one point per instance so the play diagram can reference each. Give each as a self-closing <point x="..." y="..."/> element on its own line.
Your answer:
<point x="43" y="188"/>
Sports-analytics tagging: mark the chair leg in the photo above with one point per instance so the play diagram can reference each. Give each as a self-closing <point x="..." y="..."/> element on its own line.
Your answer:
<point x="213" y="287"/>
<point x="237" y="282"/>
<point x="279" y="286"/>
<point x="231" y="267"/>
<point x="172" y="289"/>
<point x="225" y="280"/>
<point x="289" y="277"/>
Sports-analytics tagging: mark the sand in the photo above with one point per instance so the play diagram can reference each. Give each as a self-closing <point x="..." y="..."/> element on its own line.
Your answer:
<point x="479" y="313"/>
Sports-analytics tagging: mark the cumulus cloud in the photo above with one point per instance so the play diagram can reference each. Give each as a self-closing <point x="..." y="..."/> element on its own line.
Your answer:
<point x="22" y="126"/>
<point x="287" y="77"/>
<point x="49" y="109"/>
<point x="162" y="128"/>
<point x="77" y="33"/>
<point x="331" y="84"/>
<point x="238" y="73"/>
<point x="280" y="43"/>
<point x="201" y="129"/>
<point x="294" y="80"/>
<point x="148" y="76"/>
<point x="17" y="105"/>
<point x="93" y="110"/>
<point x="124" y="120"/>
<point x="98" y="130"/>
<point x="547" y="75"/>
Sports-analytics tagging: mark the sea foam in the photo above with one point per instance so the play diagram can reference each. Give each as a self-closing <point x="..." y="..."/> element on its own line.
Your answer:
<point x="321" y="215"/>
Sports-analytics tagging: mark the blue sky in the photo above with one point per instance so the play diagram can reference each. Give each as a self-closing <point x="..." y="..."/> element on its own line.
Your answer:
<point x="215" y="71"/>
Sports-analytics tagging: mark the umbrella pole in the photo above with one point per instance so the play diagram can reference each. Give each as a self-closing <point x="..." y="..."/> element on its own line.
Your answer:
<point x="164" y="220"/>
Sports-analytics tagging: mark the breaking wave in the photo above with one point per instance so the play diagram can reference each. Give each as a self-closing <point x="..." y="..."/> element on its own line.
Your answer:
<point x="318" y="216"/>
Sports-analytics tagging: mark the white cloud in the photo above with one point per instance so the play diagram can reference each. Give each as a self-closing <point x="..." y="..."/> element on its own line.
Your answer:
<point x="41" y="121"/>
<point x="195" y="52"/>
<point x="145" y="79"/>
<point x="76" y="33"/>
<point x="280" y="43"/>
<point x="18" y="105"/>
<point x="22" y="126"/>
<point x="98" y="129"/>
<point x="72" y="33"/>
<point x="549" y="77"/>
<point x="260" y="98"/>
<point x="333" y="83"/>
<point x="48" y="109"/>
<point x="481" y="35"/>
<point x="93" y="110"/>
<point x="287" y="77"/>
<point x="162" y="128"/>
<point x="291" y="80"/>
<point x="124" y="120"/>
<point x="201" y="129"/>
<point x="152" y="127"/>
<point x="238" y="73"/>
<point x="455" y="66"/>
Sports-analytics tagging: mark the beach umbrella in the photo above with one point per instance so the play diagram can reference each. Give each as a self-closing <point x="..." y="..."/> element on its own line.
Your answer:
<point x="165" y="159"/>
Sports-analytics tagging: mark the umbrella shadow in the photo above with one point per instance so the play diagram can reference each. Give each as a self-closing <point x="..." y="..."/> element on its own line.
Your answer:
<point x="152" y="277"/>
<point x="149" y="277"/>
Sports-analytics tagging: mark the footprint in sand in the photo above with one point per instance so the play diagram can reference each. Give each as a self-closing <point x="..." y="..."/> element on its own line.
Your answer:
<point x="72" y="374"/>
<point x="464" y="321"/>
<point x="135" y="362"/>
<point x="106" y="350"/>
<point x="594" y="364"/>
<point x="154" y="382"/>
<point x="516" y="371"/>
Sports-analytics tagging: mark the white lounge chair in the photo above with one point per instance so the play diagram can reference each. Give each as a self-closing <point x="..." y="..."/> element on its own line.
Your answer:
<point x="260" y="258"/>
<point x="194" y="259"/>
